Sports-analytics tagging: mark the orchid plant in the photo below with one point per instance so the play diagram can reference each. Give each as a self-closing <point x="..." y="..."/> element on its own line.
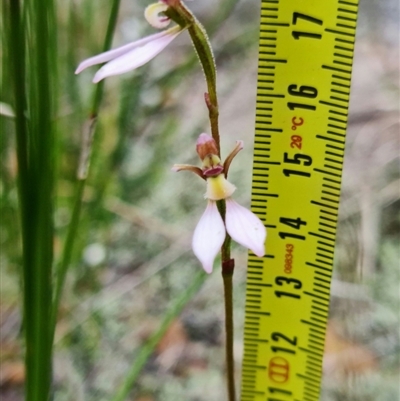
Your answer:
<point x="223" y="219"/>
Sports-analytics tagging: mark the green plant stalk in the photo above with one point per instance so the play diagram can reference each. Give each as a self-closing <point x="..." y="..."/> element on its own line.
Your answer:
<point x="202" y="45"/>
<point x="179" y="13"/>
<point x="222" y="13"/>
<point x="227" y="269"/>
<point x="112" y="22"/>
<point x="184" y="17"/>
<point x="227" y="275"/>
<point x="68" y="249"/>
<point x="82" y="174"/>
<point x="145" y="352"/>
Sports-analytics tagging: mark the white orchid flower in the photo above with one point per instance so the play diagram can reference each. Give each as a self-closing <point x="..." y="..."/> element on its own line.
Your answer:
<point x="133" y="55"/>
<point x="242" y="225"/>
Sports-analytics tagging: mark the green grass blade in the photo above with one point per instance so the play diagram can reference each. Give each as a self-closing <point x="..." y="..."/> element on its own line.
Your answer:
<point x="35" y="76"/>
<point x="82" y="173"/>
<point x="16" y="42"/>
<point x="68" y="249"/>
<point x="112" y="22"/>
<point x="145" y="352"/>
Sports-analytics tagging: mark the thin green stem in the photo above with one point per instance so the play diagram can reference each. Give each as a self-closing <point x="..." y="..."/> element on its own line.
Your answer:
<point x="145" y="352"/>
<point x="228" y="266"/>
<point x="185" y="18"/>
<point x="112" y="22"/>
<point x="203" y="48"/>
<point x="227" y="274"/>
<point x="68" y="249"/>
<point x="82" y="172"/>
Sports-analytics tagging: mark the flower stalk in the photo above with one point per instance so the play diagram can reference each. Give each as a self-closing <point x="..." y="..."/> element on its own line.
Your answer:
<point x="227" y="276"/>
<point x="179" y="13"/>
<point x="228" y="267"/>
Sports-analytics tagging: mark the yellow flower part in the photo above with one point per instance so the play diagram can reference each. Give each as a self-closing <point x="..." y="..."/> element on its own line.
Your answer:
<point x="153" y="18"/>
<point x="210" y="161"/>
<point x="219" y="188"/>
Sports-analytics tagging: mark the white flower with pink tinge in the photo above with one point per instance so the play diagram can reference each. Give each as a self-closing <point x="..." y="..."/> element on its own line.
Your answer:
<point x="242" y="225"/>
<point x="133" y="55"/>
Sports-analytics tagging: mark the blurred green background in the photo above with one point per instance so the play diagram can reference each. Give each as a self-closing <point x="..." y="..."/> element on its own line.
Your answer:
<point x="132" y="255"/>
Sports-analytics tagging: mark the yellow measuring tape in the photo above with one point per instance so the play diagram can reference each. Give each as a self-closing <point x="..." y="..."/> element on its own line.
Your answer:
<point x="305" y="62"/>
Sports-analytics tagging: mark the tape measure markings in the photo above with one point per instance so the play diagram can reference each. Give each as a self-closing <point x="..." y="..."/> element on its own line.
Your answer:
<point x="297" y="345"/>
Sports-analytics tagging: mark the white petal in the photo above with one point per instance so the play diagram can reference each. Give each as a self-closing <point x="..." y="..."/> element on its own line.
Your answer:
<point x="119" y="51"/>
<point x="245" y="227"/>
<point x="136" y="57"/>
<point x="208" y="236"/>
